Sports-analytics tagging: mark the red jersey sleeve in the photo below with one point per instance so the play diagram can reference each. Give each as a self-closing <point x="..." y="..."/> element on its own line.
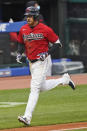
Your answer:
<point x="51" y="36"/>
<point x="20" y="37"/>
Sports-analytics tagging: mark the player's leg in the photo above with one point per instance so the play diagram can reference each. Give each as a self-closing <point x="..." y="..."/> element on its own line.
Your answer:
<point x="37" y="72"/>
<point x="32" y="101"/>
<point x="52" y="83"/>
<point x="49" y="68"/>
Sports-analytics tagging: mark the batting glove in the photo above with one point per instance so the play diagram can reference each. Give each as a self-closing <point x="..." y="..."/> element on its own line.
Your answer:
<point x="42" y="56"/>
<point x="18" y="58"/>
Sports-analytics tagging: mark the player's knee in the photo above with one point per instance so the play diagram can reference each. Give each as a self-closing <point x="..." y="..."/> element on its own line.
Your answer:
<point x="36" y="84"/>
<point x="35" y="89"/>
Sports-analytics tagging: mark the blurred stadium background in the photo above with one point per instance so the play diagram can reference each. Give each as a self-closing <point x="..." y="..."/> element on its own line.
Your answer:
<point x="68" y="18"/>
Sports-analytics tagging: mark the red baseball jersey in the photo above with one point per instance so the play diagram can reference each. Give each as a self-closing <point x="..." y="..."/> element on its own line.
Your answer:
<point x="36" y="39"/>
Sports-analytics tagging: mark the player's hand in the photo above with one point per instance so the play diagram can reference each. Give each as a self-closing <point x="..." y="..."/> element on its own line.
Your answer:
<point x="42" y="56"/>
<point x="18" y="58"/>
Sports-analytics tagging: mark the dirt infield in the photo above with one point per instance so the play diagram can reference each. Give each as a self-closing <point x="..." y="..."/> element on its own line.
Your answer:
<point x="61" y="127"/>
<point x="24" y="82"/>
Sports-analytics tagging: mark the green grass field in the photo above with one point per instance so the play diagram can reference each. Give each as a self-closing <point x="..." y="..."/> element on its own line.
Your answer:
<point x="60" y="105"/>
<point x="78" y="130"/>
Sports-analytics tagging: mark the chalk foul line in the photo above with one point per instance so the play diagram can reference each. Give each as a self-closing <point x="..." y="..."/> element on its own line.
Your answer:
<point x="70" y="129"/>
<point x="10" y="104"/>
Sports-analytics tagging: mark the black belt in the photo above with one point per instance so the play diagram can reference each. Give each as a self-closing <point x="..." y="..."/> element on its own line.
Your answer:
<point x="32" y="61"/>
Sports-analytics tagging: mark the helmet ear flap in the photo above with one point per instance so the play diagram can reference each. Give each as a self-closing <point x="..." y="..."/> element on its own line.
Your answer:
<point x="36" y="18"/>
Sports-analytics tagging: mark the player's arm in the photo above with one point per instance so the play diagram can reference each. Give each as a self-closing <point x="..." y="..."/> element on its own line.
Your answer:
<point x="54" y="39"/>
<point x="21" y="47"/>
<point x="20" y="50"/>
<point x="55" y="46"/>
<point x="51" y="50"/>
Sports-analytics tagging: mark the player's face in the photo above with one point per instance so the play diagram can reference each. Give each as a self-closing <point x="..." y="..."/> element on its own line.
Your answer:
<point x="30" y="20"/>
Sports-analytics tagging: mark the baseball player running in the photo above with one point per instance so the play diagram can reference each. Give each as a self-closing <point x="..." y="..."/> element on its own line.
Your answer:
<point x="34" y="37"/>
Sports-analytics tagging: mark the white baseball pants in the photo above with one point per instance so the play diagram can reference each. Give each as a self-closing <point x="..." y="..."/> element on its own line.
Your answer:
<point x="39" y="83"/>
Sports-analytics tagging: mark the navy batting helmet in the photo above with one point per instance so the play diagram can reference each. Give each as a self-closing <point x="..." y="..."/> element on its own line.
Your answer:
<point x="31" y="3"/>
<point x="33" y="11"/>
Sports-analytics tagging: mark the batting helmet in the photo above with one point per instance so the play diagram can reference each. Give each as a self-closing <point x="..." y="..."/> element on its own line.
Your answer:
<point x="31" y="3"/>
<point x="33" y="11"/>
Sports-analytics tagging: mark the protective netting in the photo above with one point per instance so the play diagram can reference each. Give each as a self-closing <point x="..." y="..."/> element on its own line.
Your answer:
<point x="77" y="26"/>
<point x="8" y="42"/>
<point x="77" y="39"/>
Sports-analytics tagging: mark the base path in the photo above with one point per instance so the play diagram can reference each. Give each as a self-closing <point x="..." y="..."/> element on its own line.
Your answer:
<point x="60" y="127"/>
<point x="24" y="82"/>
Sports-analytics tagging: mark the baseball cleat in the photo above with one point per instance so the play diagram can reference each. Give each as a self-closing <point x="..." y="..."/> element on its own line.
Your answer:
<point x="23" y="120"/>
<point x="68" y="81"/>
<point x="71" y="84"/>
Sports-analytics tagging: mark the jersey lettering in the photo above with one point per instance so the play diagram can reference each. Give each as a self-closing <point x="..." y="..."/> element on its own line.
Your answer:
<point x="33" y="36"/>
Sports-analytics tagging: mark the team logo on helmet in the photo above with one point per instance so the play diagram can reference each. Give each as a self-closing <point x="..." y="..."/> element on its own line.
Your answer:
<point x="32" y="11"/>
